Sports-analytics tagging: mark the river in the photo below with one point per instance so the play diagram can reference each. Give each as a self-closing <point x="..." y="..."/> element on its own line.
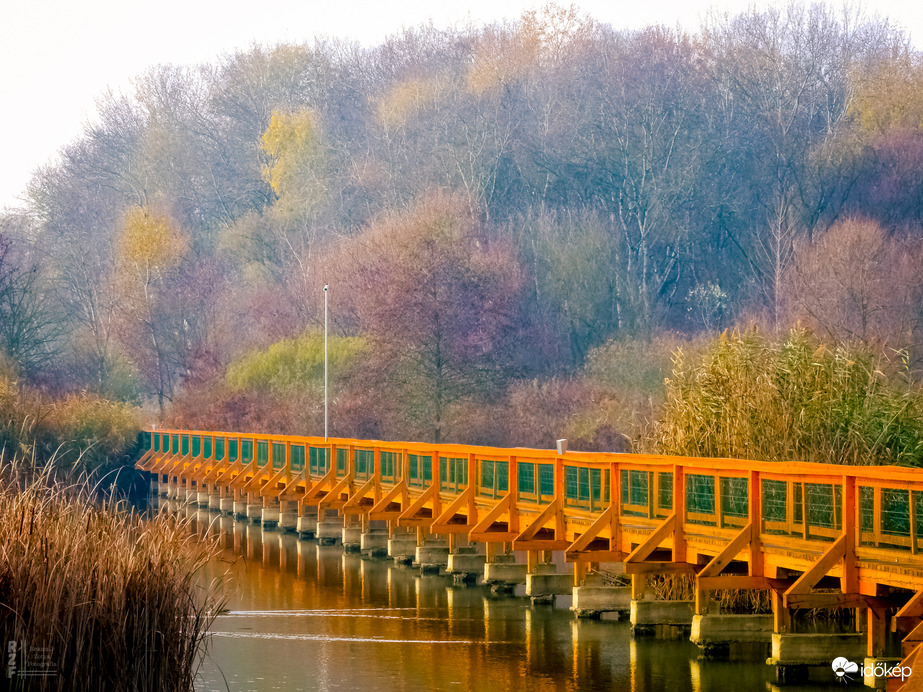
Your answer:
<point x="301" y="616"/>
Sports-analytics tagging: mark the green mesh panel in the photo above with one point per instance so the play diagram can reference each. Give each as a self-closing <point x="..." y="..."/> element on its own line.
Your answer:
<point x="219" y="448"/>
<point x="208" y="443"/>
<point x="525" y="473"/>
<point x="297" y="458"/>
<point x="278" y="455"/>
<point x="196" y="445"/>
<point x="317" y="461"/>
<point x="700" y="494"/>
<point x="453" y="472"/>
<point x="665" y="490"/>
<point x="185" y="445"/>
<point x="246" y="451"/>
<point x="895" y="512"/>
<point x="546" y="479"/>
<point x="233" y="451"/>
<point x="387" y="461"/>
<point x="775" y="500"/>
<point x="364" y="461"/>
<point x="734" y="497"/>
<point x="487" y="476"/>
<point x="342" y="461"/>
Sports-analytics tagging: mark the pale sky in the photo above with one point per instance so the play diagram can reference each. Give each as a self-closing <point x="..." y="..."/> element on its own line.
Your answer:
<point x="57" y="57"/>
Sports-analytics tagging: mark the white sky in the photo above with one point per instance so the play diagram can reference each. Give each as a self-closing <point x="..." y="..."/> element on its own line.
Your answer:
<point x="58" y="56"/>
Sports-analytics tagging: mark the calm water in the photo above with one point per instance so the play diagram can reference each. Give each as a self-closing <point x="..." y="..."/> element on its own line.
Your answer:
<point x="306" y="617"/>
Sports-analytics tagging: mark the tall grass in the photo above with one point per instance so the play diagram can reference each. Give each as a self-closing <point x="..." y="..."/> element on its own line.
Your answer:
<point x="753" y="397"/>
<point x="112" y="598"/>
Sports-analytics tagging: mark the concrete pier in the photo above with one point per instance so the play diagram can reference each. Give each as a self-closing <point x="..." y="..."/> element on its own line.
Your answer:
<point x="329" y="531"/>
<point x="432" y="557"/>
<point x="545" y="583"/>
<point x="591" y="601"/>
<point x="202" y="499"/>
<point x="793" y="654"/>
<point x="192" y="497"/>
<point x="240" y="509"/>
<point x="306" y="526"/>
<point x="465" y="564"/>
<point x="226" y="505"/>
<point x="374" y="543"/>
<point x="351" y="537"/>
<point x="255" y="512"/>
<point x="288" y="520"/>
<point x="269" y="517"/>
<point x="661" y="619"/>
<point x="506" y="572"/>
<point x="214" y="501"/>
<point x="732" y="636"/>
<point x="875" y="672"/>
<point x="402" y="548"/>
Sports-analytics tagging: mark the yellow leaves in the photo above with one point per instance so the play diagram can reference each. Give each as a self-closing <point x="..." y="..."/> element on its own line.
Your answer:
<point x="405" y="99"/>
<point x="288" y="141"/>
<point x="150" y="241"/>
<point x="542" y="37"/>
<point x="889" y="95"/>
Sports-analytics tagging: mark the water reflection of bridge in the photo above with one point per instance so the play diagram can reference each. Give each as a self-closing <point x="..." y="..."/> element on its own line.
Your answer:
<point x="812" y="536"/>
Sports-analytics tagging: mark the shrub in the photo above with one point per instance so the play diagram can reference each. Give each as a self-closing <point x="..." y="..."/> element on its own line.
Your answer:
<point x="91" y="432"/>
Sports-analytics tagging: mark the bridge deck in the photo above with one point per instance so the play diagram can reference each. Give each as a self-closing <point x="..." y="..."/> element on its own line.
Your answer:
<point x="795" y="528"/>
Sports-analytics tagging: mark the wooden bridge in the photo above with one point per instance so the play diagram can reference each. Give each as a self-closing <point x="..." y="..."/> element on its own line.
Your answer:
<point x="811" y="535"/>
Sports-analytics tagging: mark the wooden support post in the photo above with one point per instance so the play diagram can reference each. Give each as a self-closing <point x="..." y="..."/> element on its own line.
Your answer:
<point x="491" y="549"/>
<point x="876" y="636"/>
<point x="781" y="616"/>
<point x="702" y="599"/>
<point x="532" y="561"/>
<point x="580" y="570"/>
<point x="638" y="586"/>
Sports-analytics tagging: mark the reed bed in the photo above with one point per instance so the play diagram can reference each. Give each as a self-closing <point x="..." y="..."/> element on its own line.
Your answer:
<point x="96" y="596"/>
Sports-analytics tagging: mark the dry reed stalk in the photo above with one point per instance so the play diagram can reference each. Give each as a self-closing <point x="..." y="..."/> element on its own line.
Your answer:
<point x="113" y="598"/>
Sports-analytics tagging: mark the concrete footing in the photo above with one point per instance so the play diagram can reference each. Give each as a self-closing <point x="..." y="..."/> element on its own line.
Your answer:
<point x="269" y="517"/>
<point x="402" y="548"/>
<point x="506" y="573"/>
<point x="732" y="636"/>
<point x="877" y="671"/>
<point x="351" y="536"/>
<point x="432" y="557"/>
<point x="239" y="509"/>
<point x="544" y="586"/>
<point x="593" y="601"/>
<point x="465" y="564"/>
<point x="226" y="505"/>
<point x="214" y="502"/>
<point x="661" y="619"/>
<point x="793" y="654"/>
<point x="288" y="521"/>
<point x="373" y="544"/>
<point x="329" y="532"/>
<point x="192" y="497"/>
<point x="202" y="499"/>
<point x="255" y="512"/>
<point x="306" y="526"/>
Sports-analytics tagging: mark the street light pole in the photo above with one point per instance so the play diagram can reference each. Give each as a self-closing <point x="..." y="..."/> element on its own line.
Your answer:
<point x="325" y="362"/>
